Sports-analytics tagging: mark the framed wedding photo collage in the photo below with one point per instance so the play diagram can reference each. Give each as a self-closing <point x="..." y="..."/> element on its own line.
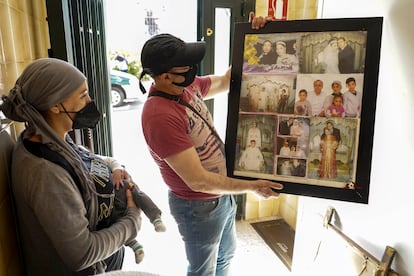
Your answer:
<point x="302" y="105"/>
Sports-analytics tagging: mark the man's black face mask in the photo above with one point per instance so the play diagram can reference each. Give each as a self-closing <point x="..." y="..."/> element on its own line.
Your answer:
<point x="87" y="117"/>
<point x="189" y="76"/>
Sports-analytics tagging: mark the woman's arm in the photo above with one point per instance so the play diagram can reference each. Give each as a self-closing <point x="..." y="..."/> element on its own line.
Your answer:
<point x="61" y="214"/>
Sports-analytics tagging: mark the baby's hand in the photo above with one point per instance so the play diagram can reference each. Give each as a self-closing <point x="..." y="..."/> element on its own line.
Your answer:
<point x="117" y="176"/>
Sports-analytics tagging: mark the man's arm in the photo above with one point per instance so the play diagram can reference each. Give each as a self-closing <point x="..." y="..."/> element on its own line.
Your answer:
<point x="187" y="166"/>
<point x="219" y="84"/>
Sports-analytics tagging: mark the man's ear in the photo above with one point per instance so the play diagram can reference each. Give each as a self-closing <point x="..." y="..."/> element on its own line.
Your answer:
<point x="166" y="77"/>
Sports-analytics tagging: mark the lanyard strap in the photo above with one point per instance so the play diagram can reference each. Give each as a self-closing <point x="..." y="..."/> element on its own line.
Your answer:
<point x="179" y="100"/>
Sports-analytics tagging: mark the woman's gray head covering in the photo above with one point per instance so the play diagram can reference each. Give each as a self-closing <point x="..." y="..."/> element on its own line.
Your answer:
<point x="43" y="84"/>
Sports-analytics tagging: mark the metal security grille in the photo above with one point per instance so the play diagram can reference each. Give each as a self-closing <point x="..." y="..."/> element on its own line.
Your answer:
<point x="77" y="34"/>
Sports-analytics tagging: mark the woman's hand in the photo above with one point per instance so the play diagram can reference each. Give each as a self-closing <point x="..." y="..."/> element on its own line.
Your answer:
<point x="130" y="200"/>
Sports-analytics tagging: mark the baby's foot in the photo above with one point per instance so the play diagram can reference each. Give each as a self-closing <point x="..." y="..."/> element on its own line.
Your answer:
<point x="139" y="255"/>
<point x="138" y="251"/>
<point x="159" y="225"/>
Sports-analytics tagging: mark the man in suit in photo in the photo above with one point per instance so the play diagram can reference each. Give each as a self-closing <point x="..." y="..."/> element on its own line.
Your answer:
<point x="284" y="126"/>
<point x="346" y="57"/>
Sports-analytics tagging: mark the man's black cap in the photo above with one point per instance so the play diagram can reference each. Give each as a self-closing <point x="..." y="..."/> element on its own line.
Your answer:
<point x="164" y="51"/>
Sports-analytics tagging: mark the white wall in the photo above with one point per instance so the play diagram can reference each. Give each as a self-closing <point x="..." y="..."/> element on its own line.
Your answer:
<point x="387" y="218"/>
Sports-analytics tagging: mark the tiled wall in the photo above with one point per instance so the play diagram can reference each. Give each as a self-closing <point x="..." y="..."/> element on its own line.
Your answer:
<point x="24" y="37"/>
<point x="297" y="9"/>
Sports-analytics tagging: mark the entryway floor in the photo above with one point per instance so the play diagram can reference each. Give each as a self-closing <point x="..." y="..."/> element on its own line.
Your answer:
<point x="164" y="252"/>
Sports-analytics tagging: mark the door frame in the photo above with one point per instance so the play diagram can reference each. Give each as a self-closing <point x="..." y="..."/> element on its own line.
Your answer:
<point x="206" y="22"/>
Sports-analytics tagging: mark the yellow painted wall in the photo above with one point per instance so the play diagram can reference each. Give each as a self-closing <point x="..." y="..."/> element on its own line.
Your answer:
<point x="260" y="208"/>
<point x="285" y="206"/>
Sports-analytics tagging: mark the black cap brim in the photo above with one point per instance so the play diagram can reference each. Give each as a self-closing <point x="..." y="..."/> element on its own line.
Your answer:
<point x="191" y="53"/>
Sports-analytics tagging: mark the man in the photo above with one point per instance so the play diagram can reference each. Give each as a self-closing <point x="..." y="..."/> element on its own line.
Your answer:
<point x="190" y="154"/>
<point x="268" y="56"/>
<point x="285" y="125"/>
<point x="352" y="99"/>
<point x="346" y="57"/>
<point x="317" y="98"/>
<point x="299" y="168"/>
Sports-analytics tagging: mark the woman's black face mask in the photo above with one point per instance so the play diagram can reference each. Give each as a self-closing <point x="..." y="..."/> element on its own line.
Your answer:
<point x="87" y="117"/>
<point x="189" y="76"/>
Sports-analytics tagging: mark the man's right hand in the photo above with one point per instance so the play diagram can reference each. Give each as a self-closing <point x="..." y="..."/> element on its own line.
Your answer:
<point x="266" y="188"/>
<point x="258" y="22"/>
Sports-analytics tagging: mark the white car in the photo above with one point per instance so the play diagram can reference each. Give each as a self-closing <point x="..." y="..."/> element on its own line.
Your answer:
<point x="125" y="88"/>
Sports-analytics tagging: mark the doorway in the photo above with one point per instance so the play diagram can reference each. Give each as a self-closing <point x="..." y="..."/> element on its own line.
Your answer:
<point x="129" y="145"/>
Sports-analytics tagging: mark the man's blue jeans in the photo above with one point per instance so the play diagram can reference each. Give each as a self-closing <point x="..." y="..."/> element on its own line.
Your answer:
<point x="208" y="230"/>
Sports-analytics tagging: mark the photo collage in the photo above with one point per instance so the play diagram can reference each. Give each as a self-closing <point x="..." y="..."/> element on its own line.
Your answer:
<point x="300" y="107"/>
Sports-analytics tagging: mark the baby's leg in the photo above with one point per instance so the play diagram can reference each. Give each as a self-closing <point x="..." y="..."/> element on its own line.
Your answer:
<point x="118" y="211"/>
<point x="138" y="250"/>
<point x="148" y="206"/>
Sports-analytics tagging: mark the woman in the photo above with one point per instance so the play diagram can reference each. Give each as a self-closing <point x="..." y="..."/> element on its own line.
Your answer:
<point x="64" y="203"/>
<point x="284" y="60"/>
<point x="328" y="58"/>
<point x="328" y="146"/>
<point x="255" y="134"/>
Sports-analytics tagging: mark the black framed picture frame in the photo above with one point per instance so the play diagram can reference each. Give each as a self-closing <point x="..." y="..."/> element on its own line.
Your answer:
<point x="302" y="105"/>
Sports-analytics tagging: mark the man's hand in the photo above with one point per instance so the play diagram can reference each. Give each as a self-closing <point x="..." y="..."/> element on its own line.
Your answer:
<point x="258" y="22"/>
<point x="266" y="189"/>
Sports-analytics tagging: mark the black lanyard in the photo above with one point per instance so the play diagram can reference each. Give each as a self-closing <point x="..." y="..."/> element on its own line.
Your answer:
<point x="178" y="100"/>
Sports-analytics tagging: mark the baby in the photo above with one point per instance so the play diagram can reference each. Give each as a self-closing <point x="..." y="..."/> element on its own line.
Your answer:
<point x="122" y="180"/>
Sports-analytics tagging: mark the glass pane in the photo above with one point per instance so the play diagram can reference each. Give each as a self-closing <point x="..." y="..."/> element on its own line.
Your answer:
<point x="131" y="22"/>
<point x="221" y="64"/>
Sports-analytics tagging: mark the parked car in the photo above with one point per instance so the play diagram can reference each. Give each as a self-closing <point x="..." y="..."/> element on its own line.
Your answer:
<point x="125" y="88"/>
